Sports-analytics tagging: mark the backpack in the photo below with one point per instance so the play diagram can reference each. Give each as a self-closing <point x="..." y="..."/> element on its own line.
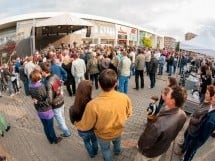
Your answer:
<point x="56" y="87"/>
<point x="58" y="99"/>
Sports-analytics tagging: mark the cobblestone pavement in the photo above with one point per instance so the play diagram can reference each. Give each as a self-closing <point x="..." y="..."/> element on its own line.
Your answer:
<point x="26" y="140"/>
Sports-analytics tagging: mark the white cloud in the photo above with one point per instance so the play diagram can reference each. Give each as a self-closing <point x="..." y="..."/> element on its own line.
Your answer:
<point x="169" y="17"/>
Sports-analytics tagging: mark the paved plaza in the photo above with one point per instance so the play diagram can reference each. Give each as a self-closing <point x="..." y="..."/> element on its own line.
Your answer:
<point x="26" y="140"/>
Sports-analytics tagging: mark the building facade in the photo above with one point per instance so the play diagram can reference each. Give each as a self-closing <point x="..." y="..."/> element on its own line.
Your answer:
<point x="189" y="36"/>
<point x="169" y="42"/>
<point x="105" y="31"/>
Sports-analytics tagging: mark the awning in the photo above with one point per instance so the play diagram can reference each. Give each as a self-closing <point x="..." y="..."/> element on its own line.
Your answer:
<point x="65" y="23"/>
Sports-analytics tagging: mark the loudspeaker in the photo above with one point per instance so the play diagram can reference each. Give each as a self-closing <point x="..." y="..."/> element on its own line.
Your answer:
<point x="88" y="32"/>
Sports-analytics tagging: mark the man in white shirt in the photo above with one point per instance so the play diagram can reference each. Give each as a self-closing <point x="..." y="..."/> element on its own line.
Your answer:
<point x="78" y="69"/>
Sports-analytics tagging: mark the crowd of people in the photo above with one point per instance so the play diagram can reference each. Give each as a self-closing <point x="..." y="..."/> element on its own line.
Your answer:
<point x="101" y="120"/>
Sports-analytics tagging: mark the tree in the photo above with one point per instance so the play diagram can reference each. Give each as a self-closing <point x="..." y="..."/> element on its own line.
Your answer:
<point x="9" y="47"/>
<point x="177" y="46"/>
<point x="147" y="42"/>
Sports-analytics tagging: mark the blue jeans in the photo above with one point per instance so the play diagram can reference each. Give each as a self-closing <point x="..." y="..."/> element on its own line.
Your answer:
<point x="48" y="125"/>
<point x="123" y="84"/>
<point x="161" y="69"/>
<point x="59" y="116"/>
<point x="133" y="69"/>
<point x="105" y="148"/>
<point x="170" y="70"/>
<point x="152" y="79"/>
<point x="193" y="146"/>
<point x="26" y="87"/>
<point x="10" y="87"/>
<point x="90" y="142"/>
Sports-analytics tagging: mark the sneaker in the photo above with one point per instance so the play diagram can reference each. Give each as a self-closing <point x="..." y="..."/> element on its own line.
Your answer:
<point x="117" y="153"/>
<point x="11" y="95"/>
<point x="59" y="139"/>
<point x="7" y="129"/>
<point x="92" y="156"/>
<point x="63" y="135"/>
<point x="2" y="134"/>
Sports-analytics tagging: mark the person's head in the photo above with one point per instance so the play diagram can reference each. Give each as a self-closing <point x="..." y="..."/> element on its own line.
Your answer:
<point x="35" y="76"/>
<point x="82" y="97"/>
<point x="209" y="93"/>
<point x="176" y="97"/>
<point x="84" y="89"/>
<point x="30" y="58"/>
<point x="154" y="99"/>
<point x="164" y="92"/>
<point x="46" y="68"/>
<point x="108" y="79"/>
<point x="171" y="81"/>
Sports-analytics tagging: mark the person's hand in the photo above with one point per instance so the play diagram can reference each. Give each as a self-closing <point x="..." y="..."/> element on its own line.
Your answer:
<point x="35" y="101"/>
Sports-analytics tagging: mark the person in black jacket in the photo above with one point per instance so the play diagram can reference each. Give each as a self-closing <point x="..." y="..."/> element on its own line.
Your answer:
<point x="44" y="110"/>
<point x="153" y="70"/>
<point x="67" y="65"/>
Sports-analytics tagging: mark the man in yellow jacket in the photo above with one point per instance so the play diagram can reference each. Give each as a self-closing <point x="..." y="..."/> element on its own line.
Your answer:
<point x="106" y="114"/>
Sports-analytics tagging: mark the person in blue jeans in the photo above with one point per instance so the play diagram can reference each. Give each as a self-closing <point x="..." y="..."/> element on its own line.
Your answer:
<point x="44" y="110"/>
<point x="124" y="73"/>
<point x="55" y="97"/>
<point x="83" y="96"/>
<point x="106" y="114"/>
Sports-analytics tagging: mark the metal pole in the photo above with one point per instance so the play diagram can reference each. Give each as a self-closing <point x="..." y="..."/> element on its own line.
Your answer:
<point x="179" y="59"/>
<point x="33" y="37"/>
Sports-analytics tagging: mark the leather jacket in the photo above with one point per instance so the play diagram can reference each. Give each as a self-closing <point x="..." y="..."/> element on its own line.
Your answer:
<point x="51" y="95"/>
<point x="158" y="135"/>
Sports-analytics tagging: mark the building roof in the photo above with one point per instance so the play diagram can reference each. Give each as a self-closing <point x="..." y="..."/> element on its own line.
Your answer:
<point x="11" y="21"/>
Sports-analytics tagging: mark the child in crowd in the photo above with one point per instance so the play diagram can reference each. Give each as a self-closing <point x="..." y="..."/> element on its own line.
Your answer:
<point x="152" y="109"/>
<point x="3" y="126"/>
<point x="82" y="97"/>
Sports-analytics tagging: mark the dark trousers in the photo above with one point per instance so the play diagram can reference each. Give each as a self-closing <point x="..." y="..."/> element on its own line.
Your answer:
<point x="68" y="83"/>
<point x="191" y="149"/>
<point x="147" y="67"/>
<point x="152" y="79"/>
<point x="187" y="140"/>
<point x="94" y="77"/>
<point x="48" y="125"/>
<point x="15" y="86"/>
<point x="139" y="73"/>
<point x="26" y="87"/>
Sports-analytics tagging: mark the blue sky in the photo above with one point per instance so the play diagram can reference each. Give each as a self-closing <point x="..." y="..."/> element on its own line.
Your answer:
<point x="168" y="17"/>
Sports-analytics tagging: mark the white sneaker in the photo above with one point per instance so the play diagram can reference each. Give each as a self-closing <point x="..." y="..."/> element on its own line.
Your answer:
<point x="12" y="95"/>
